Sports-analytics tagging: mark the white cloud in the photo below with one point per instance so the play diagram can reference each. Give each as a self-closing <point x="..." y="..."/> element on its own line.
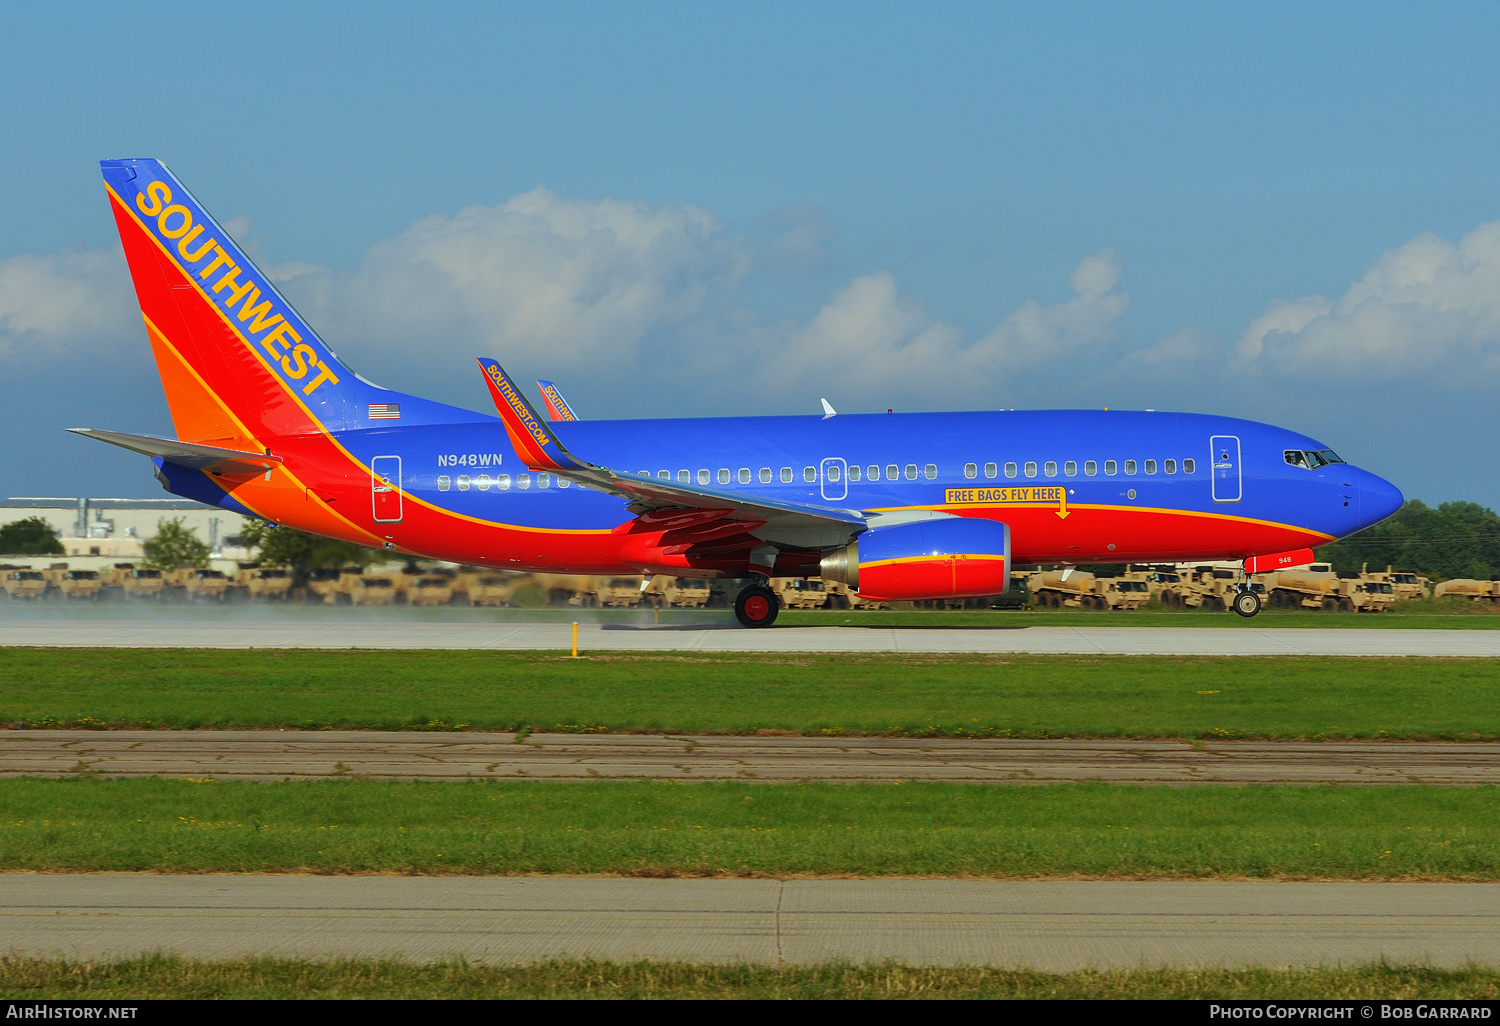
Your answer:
<point x="68" y="304"/>
<point x="1426" y="309"/>
<point x="576" y="283"/>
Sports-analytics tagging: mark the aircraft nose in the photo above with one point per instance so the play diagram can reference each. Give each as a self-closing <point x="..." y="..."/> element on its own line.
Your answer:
<point x="1378" y="498"/>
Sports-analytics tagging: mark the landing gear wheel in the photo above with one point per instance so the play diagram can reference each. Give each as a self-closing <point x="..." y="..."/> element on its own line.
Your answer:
<point x="1247" y="603"/>
<point x="756" y="607"/>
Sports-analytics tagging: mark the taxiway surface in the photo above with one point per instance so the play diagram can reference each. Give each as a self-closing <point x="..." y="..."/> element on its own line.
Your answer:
<point x="277" y="755"/>
<point x="257" y="632"/>
<point x="1056" y="926"/>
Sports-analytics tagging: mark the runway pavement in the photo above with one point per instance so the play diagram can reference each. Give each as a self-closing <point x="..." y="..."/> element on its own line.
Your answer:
<point x="276" y="755"/>
<point x="1054" y="926"/>
<point x="322" y="632"/>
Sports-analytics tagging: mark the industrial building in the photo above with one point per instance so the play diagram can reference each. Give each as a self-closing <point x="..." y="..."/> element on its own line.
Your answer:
<point x="118" y="527"/>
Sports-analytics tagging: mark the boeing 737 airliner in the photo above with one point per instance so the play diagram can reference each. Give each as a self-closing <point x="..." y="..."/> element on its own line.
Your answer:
<point x="270" y="423"/>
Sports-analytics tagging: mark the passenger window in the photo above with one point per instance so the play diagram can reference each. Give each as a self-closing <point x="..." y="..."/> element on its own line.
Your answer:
<point x="563" y="482"/>
<point x="1170" y="466"/>
<point x="971" y="470"/>
<point x="1187" y="466"/>
<point x="1031" y="470"/>
<point x="1150" y="466"/>
<point x="765" y="475"/>
<point x="930" y="471"/>
<point x="1070" y="468"/>
<point x="523" y="481"/>
<point x="664" y="475"/>
<point x="502" y="481"/>
<point x="854" y="472"/>
<point x="444" y="481"/>
<point x="703" y="477"/>
<point x="684" y="477"/>
<point x="744" y="475"/>
<point x="809" y="473"/>
<point x="1090" y="468"/>
<point x="544" y="480"/>
<point x="1050" y="469"/>
<point x="723" y="475"/>
<point x="872" y="472"/>
<point x="1129" y="467"/>
<point x="892" y="472"/>
<point x="1109" y="468"/>
<point x="463" y="482"/>
<point x="482" y="482"/>
<point x="786" y="475"/>
<point x="911" y="471"/>
<point x="1010" y="470"/>
<point x="990" y="470"/>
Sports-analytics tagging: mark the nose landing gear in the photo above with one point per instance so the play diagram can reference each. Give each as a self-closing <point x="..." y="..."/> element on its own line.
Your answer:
<point x="756" y="606"/>
<point x="1247" y="603"/>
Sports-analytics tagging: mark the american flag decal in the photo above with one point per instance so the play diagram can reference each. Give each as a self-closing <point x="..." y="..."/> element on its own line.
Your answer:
<point x="385" y="411"/>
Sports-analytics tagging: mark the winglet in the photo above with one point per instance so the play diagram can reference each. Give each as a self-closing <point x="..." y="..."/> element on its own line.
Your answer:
<point x="557" y="406"/>
<point x="534" y="442"/>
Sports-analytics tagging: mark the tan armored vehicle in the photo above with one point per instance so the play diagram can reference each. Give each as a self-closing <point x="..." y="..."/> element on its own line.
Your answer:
<point x="1404" y="586"/>
<point x="798" y="593"/>
<point x="687" y="593"/>
<point x="132" y="584"/>
<point x="432" y="589"/>
<point x="373" y="590"/>
<point x="1313" y="589"/>
<point x="24" y="584"/>
<point x="1466" y="588"/>
<point x="619" y="591"/>
<point x="489" y="589"/>
<point x="1080" y="589"/>
<point x="266" y="583"/>
<point x="199" y="584"/>
<point x="80" y="586"/>
<point x="332" y="587"/>
<point x="1156" y="579"/>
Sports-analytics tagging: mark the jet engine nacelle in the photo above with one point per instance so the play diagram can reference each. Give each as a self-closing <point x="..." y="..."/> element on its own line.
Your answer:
<point x="951" y="557"/>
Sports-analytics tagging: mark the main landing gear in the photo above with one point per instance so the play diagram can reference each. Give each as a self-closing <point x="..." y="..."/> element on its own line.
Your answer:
<point x="1247" y="603"/>
<point x="756" y="606"/>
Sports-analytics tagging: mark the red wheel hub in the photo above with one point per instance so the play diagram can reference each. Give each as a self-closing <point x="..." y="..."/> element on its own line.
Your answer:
<point x="757" y="607"/>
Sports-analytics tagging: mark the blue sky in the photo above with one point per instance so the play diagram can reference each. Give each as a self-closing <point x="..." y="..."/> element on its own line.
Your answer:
<point x="1286" y="212"/>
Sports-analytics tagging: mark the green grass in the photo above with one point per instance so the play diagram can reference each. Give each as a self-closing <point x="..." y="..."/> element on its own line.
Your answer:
<point x="950" y="695"/>
<point x="653" y="828"/>
<point x="262" y="978"/>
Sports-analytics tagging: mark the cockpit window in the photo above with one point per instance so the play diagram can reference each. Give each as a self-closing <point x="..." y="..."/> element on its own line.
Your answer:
<point x="1311" y="459"/>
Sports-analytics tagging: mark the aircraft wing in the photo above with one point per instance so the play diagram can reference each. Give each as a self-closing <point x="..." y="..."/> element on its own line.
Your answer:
<point x="653" y="498"/>
<point x="187" y="454"/>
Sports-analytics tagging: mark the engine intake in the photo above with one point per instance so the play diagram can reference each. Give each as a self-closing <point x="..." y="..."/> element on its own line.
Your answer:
<point x="955" y="557"/>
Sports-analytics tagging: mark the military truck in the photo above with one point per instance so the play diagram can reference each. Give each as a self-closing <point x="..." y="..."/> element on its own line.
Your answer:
<point x="434" y="589"/>
<point x="1316" y="589"/>
<point x="1157" y="579"/>
<point x="619" y="591"/>
<point x="1080" y="589"/>
<point x="263" y="583"/>
<point x="80" y="586"/>
<point x="687" y="593"/>
<point x="489" y="589"/>
<point x="1405" y="586"/>
<point x="1467" y="588"/>
<point x="132" y="584"/>
<point x="800" y="593"/>
<point x="374" y="590"/>
<point x="199" y="584"/>
<point x="24" y="584"/>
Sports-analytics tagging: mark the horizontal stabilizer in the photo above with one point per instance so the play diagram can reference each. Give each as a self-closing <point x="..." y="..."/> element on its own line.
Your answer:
<point x="187" y="454"/>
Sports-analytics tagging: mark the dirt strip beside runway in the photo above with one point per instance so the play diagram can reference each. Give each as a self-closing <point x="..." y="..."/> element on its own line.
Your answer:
<point x="276" y="755"/>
